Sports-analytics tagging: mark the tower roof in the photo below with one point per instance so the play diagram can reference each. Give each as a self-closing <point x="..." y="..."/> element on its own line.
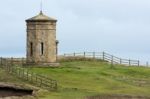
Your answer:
<point x="40" y="17"/>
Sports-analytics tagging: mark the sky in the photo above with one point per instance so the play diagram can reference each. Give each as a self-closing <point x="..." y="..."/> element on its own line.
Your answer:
<point x="119" y="27"/>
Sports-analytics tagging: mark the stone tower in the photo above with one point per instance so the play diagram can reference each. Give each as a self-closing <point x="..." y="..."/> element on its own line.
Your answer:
<point x="41" y="40"/>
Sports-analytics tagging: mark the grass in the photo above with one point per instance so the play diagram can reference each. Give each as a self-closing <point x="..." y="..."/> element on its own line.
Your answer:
<point x="78" y="79"/>
<point x="7" y="78"/>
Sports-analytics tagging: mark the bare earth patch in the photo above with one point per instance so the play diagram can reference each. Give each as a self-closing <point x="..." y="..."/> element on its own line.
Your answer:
<point x="8" y="90"/>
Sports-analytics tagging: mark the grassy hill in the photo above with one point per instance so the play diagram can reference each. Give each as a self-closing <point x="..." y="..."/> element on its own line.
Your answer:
<point x="78" y="79"/>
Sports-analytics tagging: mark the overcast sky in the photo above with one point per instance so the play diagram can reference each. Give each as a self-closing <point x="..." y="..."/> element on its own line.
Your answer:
<point x="120" y="27"/>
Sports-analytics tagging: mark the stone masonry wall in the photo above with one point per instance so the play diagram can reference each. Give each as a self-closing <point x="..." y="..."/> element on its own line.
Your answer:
<point x="37" y="33"/>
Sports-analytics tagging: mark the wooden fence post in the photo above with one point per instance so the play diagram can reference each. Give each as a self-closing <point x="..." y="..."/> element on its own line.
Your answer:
<point x="27" y="75"/>
<point x="40" y="82"/>
<point x="19" y="72"/>
<point x="55" y="88"/>
<point x="11" y="61"/>
<point x="93" y="55"/>
<point x="31" y="76"/>
<point x="9" y="65"/>
<point x="84" y="54"/>
<point x="36" y="80"/>
<point x="129" y="62"/>
<point x="16" y="69"/>
<point x="138" y="63"/>
<point x="120" y="61"/>
<point x="103" y="56"/>
<point x="1" y="61"/>
<point x="147" y="64"/>
<point x="23" y="74"/>
<point x="22" y="61"/>
<point x="6" y="65"/>
<point x="112" y="61"/>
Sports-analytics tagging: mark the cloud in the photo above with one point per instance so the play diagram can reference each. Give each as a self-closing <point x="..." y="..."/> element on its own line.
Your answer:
<point x="83" y="25"/>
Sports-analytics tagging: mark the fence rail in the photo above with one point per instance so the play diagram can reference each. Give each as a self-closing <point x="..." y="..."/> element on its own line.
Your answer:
<point x="106" y="57"/>
<point x="25" y="74"/>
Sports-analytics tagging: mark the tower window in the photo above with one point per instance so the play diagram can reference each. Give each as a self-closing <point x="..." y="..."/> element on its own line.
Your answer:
<point x="42" y="48"/>
<point x="31" y="48"/>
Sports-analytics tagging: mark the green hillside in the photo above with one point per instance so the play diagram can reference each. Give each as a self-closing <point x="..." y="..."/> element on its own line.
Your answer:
<point x="78" y="79"/>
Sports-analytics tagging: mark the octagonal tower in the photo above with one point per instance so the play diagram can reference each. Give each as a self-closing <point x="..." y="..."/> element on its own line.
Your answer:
<point x="41" y="40"/>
